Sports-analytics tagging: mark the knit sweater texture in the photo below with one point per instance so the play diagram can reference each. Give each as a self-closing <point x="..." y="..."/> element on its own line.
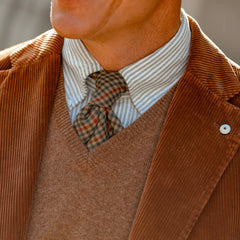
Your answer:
<point x="100" y="200"/>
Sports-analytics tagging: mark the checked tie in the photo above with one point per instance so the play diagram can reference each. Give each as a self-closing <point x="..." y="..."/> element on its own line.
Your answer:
<point x="96" y="122"/>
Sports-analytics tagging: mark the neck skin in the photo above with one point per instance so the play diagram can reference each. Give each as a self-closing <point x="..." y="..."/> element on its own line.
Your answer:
<point x="123" y="47"/>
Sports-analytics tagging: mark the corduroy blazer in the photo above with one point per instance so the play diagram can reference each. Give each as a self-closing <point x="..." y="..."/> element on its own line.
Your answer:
<point x="193" y="186"/>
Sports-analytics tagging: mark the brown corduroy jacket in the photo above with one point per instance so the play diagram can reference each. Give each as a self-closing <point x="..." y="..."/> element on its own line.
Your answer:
<point x="193" y="187"/>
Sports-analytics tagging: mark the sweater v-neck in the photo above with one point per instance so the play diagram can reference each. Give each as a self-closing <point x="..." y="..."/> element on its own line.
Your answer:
<point x="86" y="159"/>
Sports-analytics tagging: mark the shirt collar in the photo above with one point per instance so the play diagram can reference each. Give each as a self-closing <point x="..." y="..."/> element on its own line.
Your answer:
<point x="146" y="78"/>
<point x="78" y="63"/>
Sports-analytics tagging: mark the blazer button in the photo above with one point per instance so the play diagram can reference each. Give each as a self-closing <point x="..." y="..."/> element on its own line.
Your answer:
<point x="225" y="129"/>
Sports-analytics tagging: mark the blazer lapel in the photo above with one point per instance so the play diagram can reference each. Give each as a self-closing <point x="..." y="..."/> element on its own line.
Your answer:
<point x="190" y="159"/>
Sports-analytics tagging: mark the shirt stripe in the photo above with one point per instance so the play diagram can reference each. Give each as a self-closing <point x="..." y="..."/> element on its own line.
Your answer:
<point x="148" y="79"/>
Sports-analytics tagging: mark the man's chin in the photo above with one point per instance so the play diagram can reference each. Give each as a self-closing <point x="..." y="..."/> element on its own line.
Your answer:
<point x="69" y="28"/>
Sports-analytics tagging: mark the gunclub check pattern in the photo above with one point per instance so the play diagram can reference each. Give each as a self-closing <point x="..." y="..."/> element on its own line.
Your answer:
<point x="96" y="122"/>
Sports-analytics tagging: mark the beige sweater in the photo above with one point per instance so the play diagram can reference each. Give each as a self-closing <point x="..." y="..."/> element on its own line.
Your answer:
<point x="82" y="195"/>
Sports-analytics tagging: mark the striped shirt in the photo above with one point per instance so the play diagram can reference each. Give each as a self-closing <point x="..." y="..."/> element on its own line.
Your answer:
<point x="148" y="79"/>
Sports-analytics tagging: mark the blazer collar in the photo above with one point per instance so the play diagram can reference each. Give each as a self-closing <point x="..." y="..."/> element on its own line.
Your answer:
<point x="46" y="45"/>
<point x="192" y="154"/>
<point x="209" y="64"/>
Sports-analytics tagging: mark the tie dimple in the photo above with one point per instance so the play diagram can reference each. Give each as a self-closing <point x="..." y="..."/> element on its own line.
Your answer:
<point x="96" y="122"/>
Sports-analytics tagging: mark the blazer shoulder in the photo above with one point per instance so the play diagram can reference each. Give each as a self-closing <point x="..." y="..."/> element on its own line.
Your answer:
<point x="31" y="51"/>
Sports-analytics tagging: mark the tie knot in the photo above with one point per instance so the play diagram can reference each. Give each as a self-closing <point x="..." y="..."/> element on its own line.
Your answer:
<point x="109" y="87"/>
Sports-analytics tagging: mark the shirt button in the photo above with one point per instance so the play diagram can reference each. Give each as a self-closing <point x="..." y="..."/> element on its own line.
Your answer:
<point x="70" y="101"/>
<point x="225" y="129"/>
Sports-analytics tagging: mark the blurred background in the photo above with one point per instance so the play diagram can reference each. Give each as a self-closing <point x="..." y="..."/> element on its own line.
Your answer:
<point x="21" y="20"/>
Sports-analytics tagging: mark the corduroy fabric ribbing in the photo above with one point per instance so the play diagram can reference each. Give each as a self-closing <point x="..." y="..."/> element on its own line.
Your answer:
<point x="32" y="96"/>
<point x="185" y="175"/>
<point x="223" y="210"/>
<point x="192" y="159"/>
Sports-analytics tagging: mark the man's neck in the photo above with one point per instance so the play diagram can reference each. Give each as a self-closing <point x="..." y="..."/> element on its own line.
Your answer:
<point x="118" y="49"/>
